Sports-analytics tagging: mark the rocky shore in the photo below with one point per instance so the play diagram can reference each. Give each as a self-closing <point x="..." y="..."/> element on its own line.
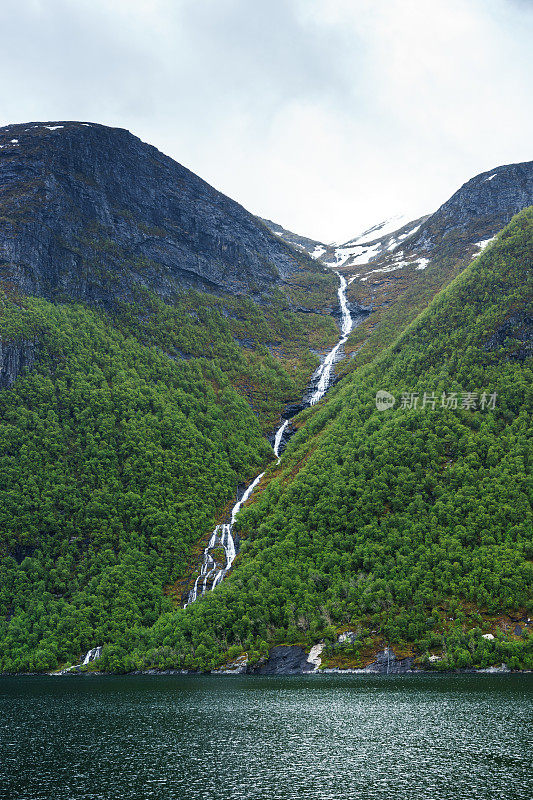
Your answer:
<point x="293" y="660"/>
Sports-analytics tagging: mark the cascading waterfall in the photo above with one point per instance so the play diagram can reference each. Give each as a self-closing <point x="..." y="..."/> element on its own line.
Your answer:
<point x="211" y="573"/>
<point x="278" y="438"/>
<point x="323" y="374"/>
<point x="92" y="655"/>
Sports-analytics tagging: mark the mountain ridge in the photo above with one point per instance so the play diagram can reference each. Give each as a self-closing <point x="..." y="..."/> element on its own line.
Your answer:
<point x="89" y="212"/>
<point x="135" y="400"/>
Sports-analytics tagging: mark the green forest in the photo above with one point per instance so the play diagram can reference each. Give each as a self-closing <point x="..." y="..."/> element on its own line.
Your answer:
<point x="410" y="527"/>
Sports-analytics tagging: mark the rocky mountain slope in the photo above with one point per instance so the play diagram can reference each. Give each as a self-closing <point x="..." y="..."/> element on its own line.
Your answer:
<point x="463" y="225"/>
<point x="406" y="526"/>
<point x="93" y="213"/>
<point x="361" y="249"/>
<point x="399" y="283"/>
<point x="396" y="267"/>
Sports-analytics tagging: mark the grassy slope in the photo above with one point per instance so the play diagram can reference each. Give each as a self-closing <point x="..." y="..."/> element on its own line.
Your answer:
<point x="411" y="526"/>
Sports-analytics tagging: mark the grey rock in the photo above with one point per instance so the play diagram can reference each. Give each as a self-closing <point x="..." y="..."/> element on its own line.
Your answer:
<point x="15" y="357"/>
<point x="386" y="663"/>
<point x="285" y="660"/>
<point x="301" y="242"/>
<point x="518" y="329"/>
<point x="91" y="213"/>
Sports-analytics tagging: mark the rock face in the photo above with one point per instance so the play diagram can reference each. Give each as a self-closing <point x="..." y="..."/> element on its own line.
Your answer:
<point x="386" y="663"/>
<point x="301" y="242"/>
<point x="14" y="358"/>
<point x="518" y="331"/>
<point x="479" y="209"/>
<point x="91" y="213"/>
<point x="286" y="660"/>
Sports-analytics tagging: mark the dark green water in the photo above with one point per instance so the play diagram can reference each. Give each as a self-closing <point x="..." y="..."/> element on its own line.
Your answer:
<point x="213" y="738"/>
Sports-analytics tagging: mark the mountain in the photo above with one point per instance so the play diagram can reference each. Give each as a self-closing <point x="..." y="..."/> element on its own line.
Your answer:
<point x="398" y="284"/>
<point x="463" y="225"/>
<point x="92" y="213"/>
<point x="476" y="212"/>
<point x="407" y="527"/>
<point x="152" y="332"/>
<point x="361" y="249"/>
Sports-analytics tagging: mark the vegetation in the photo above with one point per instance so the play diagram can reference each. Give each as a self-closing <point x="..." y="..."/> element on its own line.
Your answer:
<point x="114" y="461"/>
<point x="263" y="350"/>
<point x="396" y="521"/>
<point x="411" y="526"/>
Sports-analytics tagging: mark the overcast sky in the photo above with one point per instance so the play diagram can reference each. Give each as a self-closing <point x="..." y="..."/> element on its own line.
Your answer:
<point x="324" y="115"/>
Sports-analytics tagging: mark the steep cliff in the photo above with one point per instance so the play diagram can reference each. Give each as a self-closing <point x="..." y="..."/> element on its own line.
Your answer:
<point x="15" y="357"/>
<point x="91" y="213"/>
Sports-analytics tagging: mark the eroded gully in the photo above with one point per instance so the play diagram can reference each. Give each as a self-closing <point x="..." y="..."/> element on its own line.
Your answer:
<point x="211" y="572"/>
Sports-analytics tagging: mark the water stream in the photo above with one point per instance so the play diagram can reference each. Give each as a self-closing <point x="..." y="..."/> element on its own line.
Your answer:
<point x="215" y="566"/>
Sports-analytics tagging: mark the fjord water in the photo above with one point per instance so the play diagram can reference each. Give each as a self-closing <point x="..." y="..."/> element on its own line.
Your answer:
<point x="211" y="573"/>
<point x="464" y="737"/>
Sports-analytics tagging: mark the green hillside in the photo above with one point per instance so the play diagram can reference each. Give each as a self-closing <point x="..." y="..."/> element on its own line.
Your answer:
<point x="119" y="449"/>
<point x="408" y="526"/>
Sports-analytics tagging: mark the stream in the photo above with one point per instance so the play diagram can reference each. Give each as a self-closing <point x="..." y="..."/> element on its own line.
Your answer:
<point x="211" y="573"/>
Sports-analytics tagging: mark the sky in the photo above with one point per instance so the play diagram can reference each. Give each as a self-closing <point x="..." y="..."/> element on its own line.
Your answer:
<point x="326" y="116"/>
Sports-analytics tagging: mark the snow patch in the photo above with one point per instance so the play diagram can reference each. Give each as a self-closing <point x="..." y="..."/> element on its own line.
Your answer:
<point x="422" y="263"/>
<point x="318" y="251"/>
<point x="490" y="177"/>
<point x="482" y="245"/>
<point x="391" y="268"/>
<point x="380" y="230"/>
<point x="54" y="127"/>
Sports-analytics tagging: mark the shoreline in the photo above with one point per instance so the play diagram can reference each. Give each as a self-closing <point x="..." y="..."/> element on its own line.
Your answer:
<point x="237" y="673"/>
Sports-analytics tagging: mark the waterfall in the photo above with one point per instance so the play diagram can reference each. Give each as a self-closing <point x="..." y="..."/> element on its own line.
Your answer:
<point x="278" y="437"/>
<point x="92" y="655"/>
<point x="323" y="374"/>
<point x="222" y="536"/>
<point x="211" y="573"/>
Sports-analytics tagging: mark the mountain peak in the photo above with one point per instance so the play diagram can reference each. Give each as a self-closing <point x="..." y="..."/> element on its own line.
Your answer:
<point x="90" y="212"/>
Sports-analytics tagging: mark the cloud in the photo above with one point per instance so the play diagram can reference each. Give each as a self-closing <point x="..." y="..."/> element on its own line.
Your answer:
<point x="325" y="115"/>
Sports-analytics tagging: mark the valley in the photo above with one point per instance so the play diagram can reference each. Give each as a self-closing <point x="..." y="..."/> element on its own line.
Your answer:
<point x="196" y="475"/>
<point x="211" y="573"/>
